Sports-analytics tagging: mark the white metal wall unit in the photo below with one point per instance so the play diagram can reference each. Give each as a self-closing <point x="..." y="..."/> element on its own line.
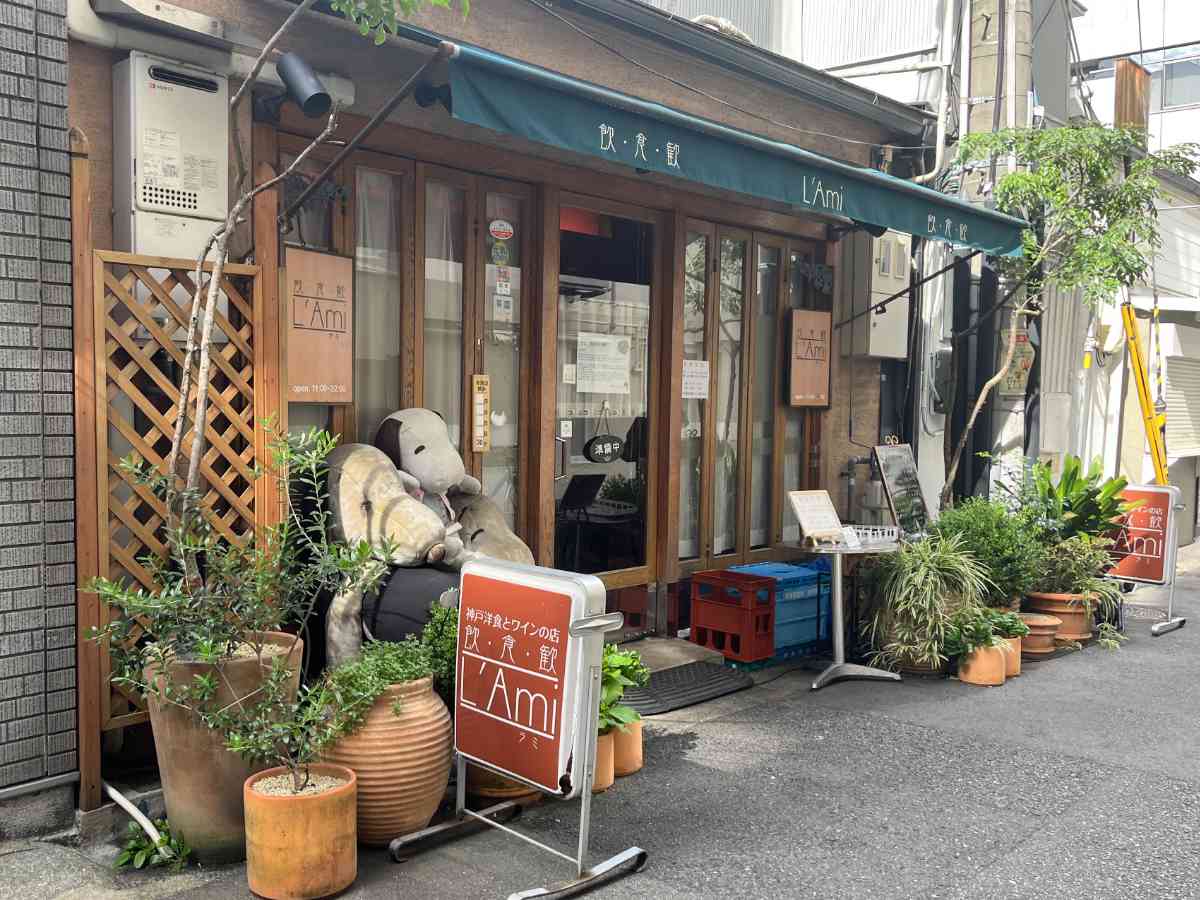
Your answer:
<point x="884" y="333"/>
<point x="819" y="33"/>
<point x="1183" y="406"/>
<point x="758" y="18"/>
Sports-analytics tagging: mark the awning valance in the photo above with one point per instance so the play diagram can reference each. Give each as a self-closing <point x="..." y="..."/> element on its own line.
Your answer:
<point x="515" y="98"/>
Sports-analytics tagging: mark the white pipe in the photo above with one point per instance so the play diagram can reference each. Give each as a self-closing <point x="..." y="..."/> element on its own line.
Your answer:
<point x="84" y="25"/>
<point x="964" y="79"/>
<point x="147" y="826"/>
<point x="923" y="66"/>
<point x="944" y="50"/>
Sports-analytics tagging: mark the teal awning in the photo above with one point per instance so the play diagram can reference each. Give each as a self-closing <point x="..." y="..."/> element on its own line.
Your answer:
<point x="526" y="101"/>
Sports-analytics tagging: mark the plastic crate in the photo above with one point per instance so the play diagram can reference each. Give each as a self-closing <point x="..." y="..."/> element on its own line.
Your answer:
<point x="802" y="602"/>
<point x="734" y="614"/>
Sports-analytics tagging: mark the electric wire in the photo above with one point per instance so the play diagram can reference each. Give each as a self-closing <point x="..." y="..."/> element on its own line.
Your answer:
<point x="712" y="97"/>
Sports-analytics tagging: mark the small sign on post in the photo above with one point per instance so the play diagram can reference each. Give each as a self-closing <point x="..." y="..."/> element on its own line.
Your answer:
<point x="320" y="329"/>
<point x="527" y="698"/>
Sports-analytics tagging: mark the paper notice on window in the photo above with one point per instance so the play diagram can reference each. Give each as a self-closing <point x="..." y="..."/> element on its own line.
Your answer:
<point x="695" y="379"/>
<point x="161" y="160"/>
<point x="602" y="363"/>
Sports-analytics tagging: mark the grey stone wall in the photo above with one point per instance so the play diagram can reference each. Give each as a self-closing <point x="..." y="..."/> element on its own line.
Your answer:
<point x="37" y="540"/>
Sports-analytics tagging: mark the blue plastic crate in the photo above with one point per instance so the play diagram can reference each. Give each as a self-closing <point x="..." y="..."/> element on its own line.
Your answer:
<point x="802" y="602"/>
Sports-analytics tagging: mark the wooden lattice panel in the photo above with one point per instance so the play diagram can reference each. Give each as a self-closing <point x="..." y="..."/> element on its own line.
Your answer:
<point x="142" y="307"/>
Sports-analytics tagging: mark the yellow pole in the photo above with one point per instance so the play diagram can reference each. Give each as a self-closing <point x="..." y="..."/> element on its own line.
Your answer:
<point x="1154" y="421"/>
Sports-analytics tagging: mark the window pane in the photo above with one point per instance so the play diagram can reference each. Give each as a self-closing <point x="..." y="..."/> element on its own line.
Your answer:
<point x="502" y="347"/>
<point x="762" y="391"/>
<point x="312" y="225"/>
<point x="443" y="351"/>
<point x="376" y="299"/>
<point x="729" y="361"/>
<point x="691" y="437"/>
<point x="1183" y="83"/>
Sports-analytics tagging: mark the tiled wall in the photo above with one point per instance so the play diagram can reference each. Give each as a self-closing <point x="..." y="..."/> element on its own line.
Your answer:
<point x="37" y="550"/>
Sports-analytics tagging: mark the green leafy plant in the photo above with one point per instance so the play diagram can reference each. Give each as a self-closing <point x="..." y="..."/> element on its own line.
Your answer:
<point x="139" y="851"/>
<point x="1007" y="624"/>
<point x="970" y="629"/>
<point x="1076" y="566"/>
<point x="1079" y="502"/>
<point x="914" y="594"/>
<point x="1109" y="637"/>
<point x="623" y="489"/>
<point x="379" y="18"/>
<point x="214" y="599"/>
<point x="1004" y="544"/>
<point x="1088" y="192"/>
<point x="620" y="669"/>
<point x="440" y="637"/>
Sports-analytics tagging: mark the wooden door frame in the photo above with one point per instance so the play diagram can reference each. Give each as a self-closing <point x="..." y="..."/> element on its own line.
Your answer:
<point x="552" y="202"/>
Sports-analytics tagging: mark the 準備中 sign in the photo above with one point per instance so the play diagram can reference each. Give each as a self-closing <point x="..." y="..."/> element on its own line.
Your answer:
<point x="518" y="694"/>
<point x="1145" y="538"/>
<point x="320" y="329"/>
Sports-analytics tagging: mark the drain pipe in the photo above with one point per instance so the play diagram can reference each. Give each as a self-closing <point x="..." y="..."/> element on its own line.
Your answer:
<point x="945" y="47"/>
<point x="138" y="816"/>
<point x="848" y="473"/>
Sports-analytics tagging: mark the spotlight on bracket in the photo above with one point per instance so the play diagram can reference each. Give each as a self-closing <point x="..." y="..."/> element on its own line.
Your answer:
<point x="301" y="86"/>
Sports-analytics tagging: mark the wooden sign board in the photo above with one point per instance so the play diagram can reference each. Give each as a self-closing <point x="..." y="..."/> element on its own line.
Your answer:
<point x="320" y="335"/>
<point x="481" y="413"/>
<point x="1144" y="543"/>
<point x="808" y="383"/>
<point x="519" y="690"/>
<point x="816" y="514"/>
<point x="902" y="486"/>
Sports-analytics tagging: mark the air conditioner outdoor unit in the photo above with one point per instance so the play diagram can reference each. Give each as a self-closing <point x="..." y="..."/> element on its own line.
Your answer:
<point x="170" y="155"/>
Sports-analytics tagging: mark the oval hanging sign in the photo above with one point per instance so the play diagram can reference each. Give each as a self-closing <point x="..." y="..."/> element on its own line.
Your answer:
<point x="500" y="229"/>
<point x="603" y="448"/>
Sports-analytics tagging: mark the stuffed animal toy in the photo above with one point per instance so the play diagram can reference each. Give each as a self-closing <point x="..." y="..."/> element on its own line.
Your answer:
<point x="485" y="531"/>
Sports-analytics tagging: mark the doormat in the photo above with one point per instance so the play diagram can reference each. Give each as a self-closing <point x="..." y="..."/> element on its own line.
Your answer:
<point x="685" y="685"/>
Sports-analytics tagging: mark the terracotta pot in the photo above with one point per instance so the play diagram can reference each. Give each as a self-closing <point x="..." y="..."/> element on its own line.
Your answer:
<point x="1042" y="630"/>
<point x="201" y="780"/>
<point x="1012" y="658"/>
<point x="301" y="846"/>
<point x="402" y="761"/>
<point x="605" y="772"/>
<point x="1077" y="620"/>
<point x="627" y="749"/>
<point x="983" y="666"/>
<point x="488" y="785"/>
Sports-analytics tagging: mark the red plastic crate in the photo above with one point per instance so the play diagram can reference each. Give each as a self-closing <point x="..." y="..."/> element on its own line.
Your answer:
<point x="734" y="614"/>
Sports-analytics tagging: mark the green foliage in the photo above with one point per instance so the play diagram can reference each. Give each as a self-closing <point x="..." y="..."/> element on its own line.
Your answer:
<point x="440" y="637"/>
<point x="1004" y="544"/>
<point x="139" y="851"/>
<point x="214" y="599"/>
<point x="1007" y="624"/>
<point x="378" y="18"/>
<point x="624" y="489"/>
<point x="916" y="591"/>
<point x="1078" y="503"/>
<point x="1109" y="638"/>
<point x="1076" y="566"/>
<point x="1088" y="192"/>
<point x="970" y="629"/>
<point x="620" y="669"/>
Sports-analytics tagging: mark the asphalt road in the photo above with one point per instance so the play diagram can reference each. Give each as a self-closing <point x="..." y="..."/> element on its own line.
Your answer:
<point x="1078" y="779"/>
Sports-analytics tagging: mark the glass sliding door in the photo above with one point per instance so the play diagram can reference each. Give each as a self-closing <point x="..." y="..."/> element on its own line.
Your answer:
<point x="765" y="389"/>
<point x="697" y="251"/>
<point x="728" y="346"/>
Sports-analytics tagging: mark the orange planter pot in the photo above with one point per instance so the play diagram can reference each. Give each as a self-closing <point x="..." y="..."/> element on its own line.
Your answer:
<point x="201" y="780"/>
<point x="605" y="773"/>
<point x="301" y="847"/>
<point x="984" y="666"/>
<point x="1042" y="630"/>
<point x="1012" y="658"/>
<point x="402" y="761"/>
<point x="627" y="749"/>
<point x="1077" y="620"/>
<point x="488" y="785"/>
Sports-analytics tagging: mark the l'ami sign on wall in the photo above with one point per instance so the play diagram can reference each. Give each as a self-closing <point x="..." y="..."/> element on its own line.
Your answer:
<point x="516" y="679"/>
<point x="320" y="334"/>
<point x="1144" y="543"/>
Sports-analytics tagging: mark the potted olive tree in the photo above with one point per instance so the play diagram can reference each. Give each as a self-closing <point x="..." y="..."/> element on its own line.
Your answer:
<point x="208" y="645"/>
<point x="1005" y="542"/>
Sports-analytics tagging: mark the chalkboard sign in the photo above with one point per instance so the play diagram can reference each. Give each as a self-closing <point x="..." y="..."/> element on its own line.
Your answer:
<point x="903" y="488"/>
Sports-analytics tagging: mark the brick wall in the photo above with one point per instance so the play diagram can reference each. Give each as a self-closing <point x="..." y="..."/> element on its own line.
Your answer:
<point x="37" y="550"/>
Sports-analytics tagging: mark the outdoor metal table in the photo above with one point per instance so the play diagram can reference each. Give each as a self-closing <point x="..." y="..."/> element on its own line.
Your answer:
<point x="839" y="668"/>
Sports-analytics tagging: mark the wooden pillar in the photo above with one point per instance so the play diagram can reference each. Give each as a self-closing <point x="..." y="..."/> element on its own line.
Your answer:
<point x="670" y="365"/>
<point x="88" y="540"/>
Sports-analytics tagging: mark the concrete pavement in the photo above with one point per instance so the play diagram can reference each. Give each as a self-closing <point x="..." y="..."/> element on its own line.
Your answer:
<point x="1078" y="779"/>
